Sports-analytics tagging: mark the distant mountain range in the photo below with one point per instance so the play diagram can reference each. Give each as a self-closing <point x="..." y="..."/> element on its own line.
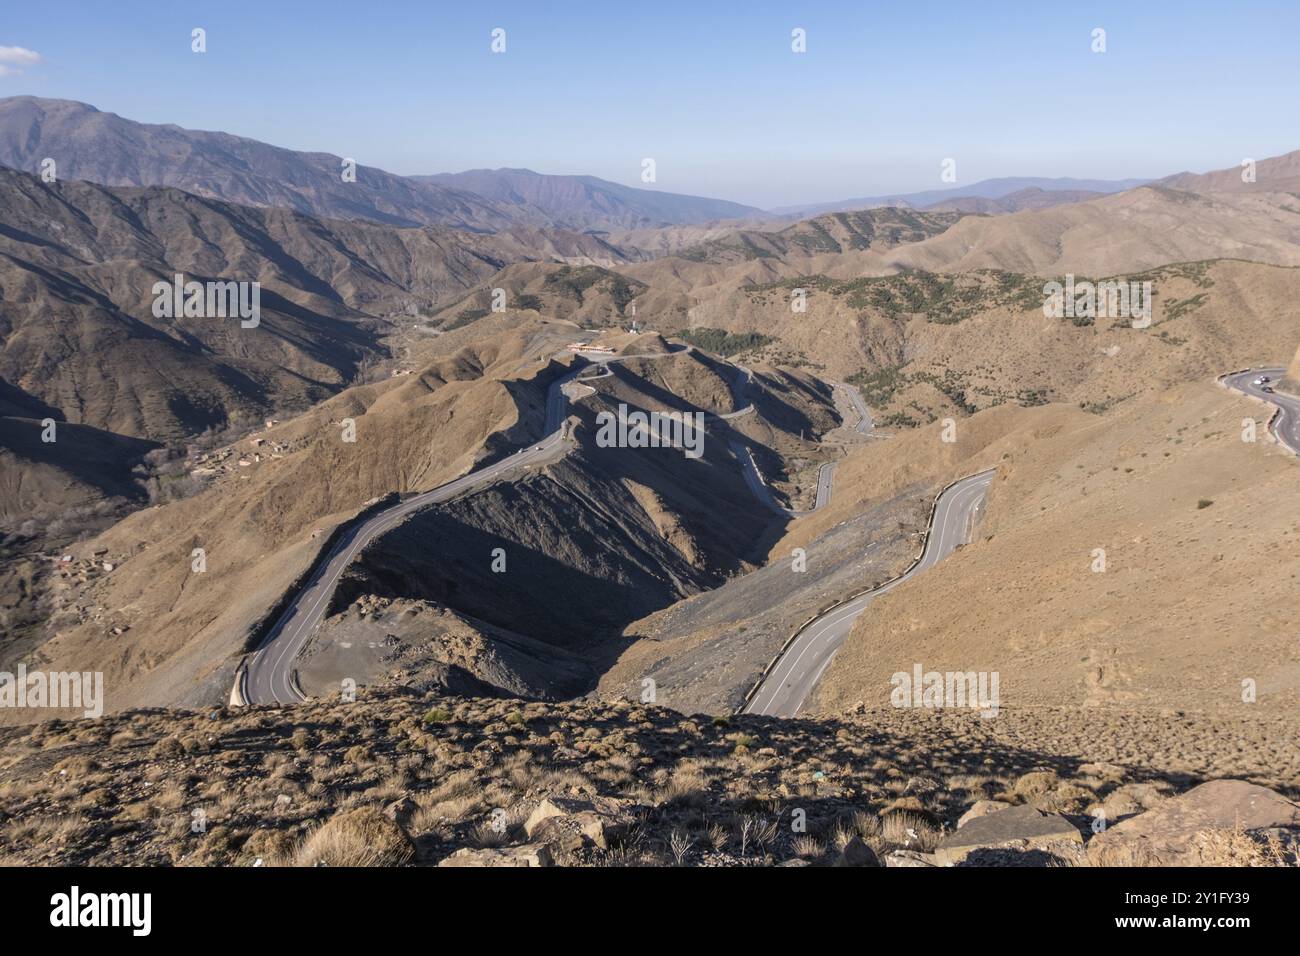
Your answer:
<point x="94" y="146"/>
<point x="104" y="148"/>
<point x="1031" y="191"/>
<point x="1029" y="198"/>
<point x="585" y="202"/>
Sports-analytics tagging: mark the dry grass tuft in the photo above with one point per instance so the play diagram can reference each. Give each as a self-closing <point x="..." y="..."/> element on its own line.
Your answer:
<point x="358" y="837"/>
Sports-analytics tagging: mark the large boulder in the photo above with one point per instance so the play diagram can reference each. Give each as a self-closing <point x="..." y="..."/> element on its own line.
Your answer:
<point x="1175" y="832"/>
<point x="1020" y="828"/>
<point x="530" y="854"/>
<point x="571" y="823"/>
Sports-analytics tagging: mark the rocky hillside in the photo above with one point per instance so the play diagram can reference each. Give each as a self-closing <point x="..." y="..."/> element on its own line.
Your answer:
<point x="404" y="779"/>
<point x="592" y="296"/>
<point x="1143" y="229"/>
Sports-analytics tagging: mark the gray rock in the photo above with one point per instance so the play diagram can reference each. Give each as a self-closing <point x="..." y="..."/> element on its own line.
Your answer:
<point x="1023" y="827"/>
<point x="857" y="853"/>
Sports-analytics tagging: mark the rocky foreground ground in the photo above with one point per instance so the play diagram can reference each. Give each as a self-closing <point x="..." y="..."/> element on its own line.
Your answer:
<point x="398" y="778"/>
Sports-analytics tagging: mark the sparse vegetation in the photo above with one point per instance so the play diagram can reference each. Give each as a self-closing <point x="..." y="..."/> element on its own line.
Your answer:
<point x="899" y="420"/>
<point x="397" y="778"/>
<point x="723" y="343"/>
<point x="941" y="299"/>
<point x="464" y="318"/>
<point x="576" y="281"/>
<point x="878" y="387"/>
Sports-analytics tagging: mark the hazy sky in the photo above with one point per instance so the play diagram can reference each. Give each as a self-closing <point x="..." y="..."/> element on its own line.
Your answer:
<point x="711" y="91"/>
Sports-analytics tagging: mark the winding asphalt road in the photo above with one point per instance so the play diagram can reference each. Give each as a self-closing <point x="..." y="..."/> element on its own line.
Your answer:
<point x="1287" y="425"/>
<point x="795" y="674"/>
<point x="825" y="474"/>
<point x="865" y="424"/>
<point x="761" y="490"/>
<point x="269" y="675"/>
<point x="784" y="690"/>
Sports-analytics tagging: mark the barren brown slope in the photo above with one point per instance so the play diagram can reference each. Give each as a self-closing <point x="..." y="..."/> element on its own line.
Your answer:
<point x="1201" y="549"/>
<point x="669" y="240"/>
<point x="589" y="295"/>
<point x="1140" y="229"/>
<point x="705" y="653"/>
<point x="1208" y="318"/>
<point x="1293" y="372"/>
<point x="843" y="244"/>
<point x="38" y="482"/>
<point x="922" y="342"/>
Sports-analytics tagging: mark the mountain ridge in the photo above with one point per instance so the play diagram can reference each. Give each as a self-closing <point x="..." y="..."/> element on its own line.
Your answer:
<point x="102" y="147"/>
<point x="588" y="202"/>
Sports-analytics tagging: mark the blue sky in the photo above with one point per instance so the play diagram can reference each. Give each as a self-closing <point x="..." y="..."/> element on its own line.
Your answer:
<point x="710" y="90"/>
